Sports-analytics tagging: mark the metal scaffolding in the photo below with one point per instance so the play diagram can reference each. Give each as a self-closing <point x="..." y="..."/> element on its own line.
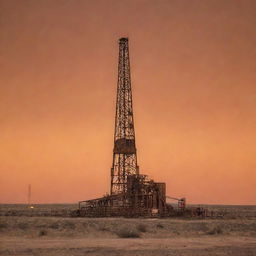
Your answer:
<point x="124" y="153"/>
<point x="131" y="193"/>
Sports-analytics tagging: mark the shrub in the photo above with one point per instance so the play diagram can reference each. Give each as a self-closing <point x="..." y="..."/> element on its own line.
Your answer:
<point x="142" y="228"/>
<point x="54" y="225"/>
<point x="3" y="225"/>
<point x="159" y="225"/>
<point x="42" y="233"/>
<point x="85" y="224"/>
<point x="104" y="228"/>
<point x="41" y="226"/>
<point x="69" y="225"/>
<point x="215" y="230"/>
<point x="22" y="225"/>
<point x="128" y="233"/>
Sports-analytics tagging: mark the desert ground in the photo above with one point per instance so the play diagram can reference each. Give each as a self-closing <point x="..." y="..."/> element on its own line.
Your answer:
<point x="47" y="230"/>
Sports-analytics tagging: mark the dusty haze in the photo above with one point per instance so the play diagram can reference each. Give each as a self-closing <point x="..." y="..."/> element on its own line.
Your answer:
<point x="194" y="91"/>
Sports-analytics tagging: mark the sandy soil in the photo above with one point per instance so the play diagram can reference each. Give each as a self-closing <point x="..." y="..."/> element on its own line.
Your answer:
<point x="240" y="246"/>
<point x="233" y="235"/>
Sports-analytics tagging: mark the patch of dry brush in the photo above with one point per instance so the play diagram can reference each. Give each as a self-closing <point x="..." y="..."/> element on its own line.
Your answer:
<point x="123" y="228"/>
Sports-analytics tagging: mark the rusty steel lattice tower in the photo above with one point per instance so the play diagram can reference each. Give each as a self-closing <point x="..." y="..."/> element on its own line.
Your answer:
<point x="124" y="153"/>
<point x="131" y="194"/>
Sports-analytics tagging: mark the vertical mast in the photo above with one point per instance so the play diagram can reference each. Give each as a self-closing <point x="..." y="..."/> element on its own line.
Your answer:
<point x="124" y="153"/>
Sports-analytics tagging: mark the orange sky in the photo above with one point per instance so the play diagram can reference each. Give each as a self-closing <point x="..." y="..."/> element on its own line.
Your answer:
<point x="194" y="91"/>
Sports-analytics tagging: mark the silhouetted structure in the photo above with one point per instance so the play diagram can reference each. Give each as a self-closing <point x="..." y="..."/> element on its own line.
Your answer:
<point x="131" y="193"/>
<point x="124" y="153"/>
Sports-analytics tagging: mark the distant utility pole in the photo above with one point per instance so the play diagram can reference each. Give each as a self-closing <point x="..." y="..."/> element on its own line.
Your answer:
<point x="29" y="194"/>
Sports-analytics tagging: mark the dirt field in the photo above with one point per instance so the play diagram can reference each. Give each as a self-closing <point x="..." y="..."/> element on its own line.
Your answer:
<point x="232" y="234"/>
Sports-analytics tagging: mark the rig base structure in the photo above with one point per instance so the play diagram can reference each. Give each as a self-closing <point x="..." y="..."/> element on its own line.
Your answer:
<point x="144" y="198"/>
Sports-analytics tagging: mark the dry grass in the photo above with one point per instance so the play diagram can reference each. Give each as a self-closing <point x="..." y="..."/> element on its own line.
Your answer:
<point x="233" y="234"/>
<point x="46" y="210"/>
<point x="114" y="227"/>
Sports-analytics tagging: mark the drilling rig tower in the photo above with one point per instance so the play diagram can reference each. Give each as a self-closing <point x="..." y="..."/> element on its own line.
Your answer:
<point x="131" y="193"/>
<point x="124" y="153"/>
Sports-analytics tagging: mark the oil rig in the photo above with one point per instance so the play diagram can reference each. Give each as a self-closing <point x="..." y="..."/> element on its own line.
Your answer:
<point x="131" y="194"/>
